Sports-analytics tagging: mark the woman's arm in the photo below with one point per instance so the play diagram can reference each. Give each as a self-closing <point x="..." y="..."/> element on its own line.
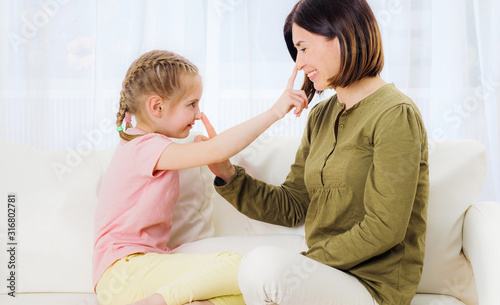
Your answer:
<point x="225" y="145"/>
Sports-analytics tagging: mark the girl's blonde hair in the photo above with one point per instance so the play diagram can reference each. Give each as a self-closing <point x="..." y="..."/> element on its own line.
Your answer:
<point x="155" y="72"/>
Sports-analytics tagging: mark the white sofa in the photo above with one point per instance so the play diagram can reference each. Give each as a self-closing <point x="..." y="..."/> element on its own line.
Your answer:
<point x="56" y="193"/>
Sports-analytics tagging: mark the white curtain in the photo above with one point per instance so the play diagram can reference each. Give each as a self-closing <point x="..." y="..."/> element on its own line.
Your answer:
<point x="62" y="63"/>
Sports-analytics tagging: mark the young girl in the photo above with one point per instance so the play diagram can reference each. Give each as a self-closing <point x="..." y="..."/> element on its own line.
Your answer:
<point x="141" y="186"/>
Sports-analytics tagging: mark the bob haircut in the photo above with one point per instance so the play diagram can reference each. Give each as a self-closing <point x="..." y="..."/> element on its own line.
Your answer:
<point x="353" y="23"/>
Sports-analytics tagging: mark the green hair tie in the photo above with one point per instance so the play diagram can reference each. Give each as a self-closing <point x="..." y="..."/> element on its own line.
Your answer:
<point x="119" y="128"/>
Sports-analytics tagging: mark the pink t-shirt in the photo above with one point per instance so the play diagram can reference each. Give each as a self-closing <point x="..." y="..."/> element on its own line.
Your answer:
<point x="135" y="206"/>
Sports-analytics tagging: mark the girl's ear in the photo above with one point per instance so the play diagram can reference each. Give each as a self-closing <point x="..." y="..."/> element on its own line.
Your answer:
<point x="155" y="105"/>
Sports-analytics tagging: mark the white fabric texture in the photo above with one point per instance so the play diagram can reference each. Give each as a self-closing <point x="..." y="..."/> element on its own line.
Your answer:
<point x="193" y="214"/>
<point x="482" y="248"/>
<point x="244" y="244"/>
<point x="63" y="63"/>
<point x="449" y="197"/>
<point x="273" y="275"/>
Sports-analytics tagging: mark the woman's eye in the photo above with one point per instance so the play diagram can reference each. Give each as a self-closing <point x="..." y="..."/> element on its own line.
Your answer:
<point x="303" y="50"/>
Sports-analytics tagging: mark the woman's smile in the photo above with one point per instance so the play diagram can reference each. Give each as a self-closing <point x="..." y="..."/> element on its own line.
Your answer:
<point x="312" y="74"/>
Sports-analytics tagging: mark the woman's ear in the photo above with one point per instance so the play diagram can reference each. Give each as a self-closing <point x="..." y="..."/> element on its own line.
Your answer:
<point x="155" y="105"/>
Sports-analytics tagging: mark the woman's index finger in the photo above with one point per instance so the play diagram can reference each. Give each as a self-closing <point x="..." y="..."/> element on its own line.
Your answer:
<point x="291" y="80"/>
<point x="210" y="129"/>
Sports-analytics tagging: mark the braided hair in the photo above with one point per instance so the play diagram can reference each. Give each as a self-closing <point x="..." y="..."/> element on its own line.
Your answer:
<point x="155" y="72"/>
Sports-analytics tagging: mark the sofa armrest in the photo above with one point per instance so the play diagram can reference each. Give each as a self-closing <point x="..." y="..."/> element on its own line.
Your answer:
<point x="481" y="245"/>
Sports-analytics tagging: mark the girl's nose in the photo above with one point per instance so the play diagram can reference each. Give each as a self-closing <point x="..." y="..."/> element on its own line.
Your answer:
<point x="197" y="115"/>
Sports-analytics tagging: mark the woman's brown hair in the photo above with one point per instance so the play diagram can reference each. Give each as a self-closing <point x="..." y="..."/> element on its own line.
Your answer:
<point x="155" y="72"/>
<point x="353" y="23"/>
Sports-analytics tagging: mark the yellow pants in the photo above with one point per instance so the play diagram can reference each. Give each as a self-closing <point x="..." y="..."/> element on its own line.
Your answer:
<point x="179" y="278"/>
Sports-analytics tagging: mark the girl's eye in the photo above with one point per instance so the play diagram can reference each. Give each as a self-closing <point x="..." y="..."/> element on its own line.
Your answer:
<point x="303" y="50"/>
<point x="192" y="104"/>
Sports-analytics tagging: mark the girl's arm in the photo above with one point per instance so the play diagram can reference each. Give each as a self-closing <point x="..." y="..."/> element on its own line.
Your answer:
<point x="227" y="144"/>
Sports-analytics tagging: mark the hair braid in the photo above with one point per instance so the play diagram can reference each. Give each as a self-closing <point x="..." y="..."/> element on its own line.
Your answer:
<point x="120" y="116"/>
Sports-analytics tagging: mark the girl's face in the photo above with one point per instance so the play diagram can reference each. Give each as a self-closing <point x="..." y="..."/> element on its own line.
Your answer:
<point x="180" y="117"/>
<point x="317" y="56"/>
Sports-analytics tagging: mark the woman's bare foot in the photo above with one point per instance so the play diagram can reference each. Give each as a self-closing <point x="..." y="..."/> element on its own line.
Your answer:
<point x="154" y="299"/>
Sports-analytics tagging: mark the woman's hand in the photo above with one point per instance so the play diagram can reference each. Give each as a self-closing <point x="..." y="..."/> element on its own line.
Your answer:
<point x="290" y="99"/>
<point x="224" y="169"/>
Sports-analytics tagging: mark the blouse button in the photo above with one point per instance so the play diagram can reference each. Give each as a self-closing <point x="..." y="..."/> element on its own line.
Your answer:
<point x="341" y="125"/>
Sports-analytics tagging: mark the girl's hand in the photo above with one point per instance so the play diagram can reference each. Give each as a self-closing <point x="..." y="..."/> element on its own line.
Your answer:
<point x="224" y="169"/>
<point x="291" y="99"/>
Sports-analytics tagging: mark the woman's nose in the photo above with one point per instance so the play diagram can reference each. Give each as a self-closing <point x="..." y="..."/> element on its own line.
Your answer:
<point x="299" y="62"/>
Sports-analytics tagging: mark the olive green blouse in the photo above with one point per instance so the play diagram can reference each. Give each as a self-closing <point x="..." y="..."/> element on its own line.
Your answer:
<point x="360" y="181"/>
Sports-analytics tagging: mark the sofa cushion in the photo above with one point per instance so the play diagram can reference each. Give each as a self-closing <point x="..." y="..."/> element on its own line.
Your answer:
<point x="457" y="169"/>
<point x="56" y="198"/>
<point x="57" y="195"/>
<point x="192" y="218"/>
<point x="193" y="214"/>
<point x="434" y="299"/>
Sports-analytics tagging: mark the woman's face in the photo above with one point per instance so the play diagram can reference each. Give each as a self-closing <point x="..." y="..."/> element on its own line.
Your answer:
<point x="317" y="56"/>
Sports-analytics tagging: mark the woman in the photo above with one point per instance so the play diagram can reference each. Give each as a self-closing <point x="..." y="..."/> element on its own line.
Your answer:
<point x="360" y="178"/>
